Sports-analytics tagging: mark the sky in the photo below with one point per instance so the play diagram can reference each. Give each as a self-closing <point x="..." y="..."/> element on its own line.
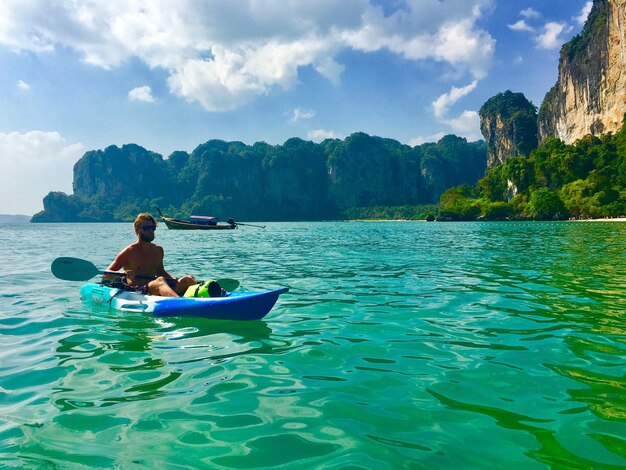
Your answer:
<point x="80" y="75"/>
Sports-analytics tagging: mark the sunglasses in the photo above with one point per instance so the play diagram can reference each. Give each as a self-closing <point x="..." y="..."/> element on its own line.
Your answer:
<point x="148" y="228"/>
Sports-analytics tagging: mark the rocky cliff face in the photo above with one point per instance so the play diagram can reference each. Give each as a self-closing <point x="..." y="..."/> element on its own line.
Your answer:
<point x="117" y="173"/>
<point x="299" y="180"/>
<point x="590" y="94"/>
<point x="508" y="121"/>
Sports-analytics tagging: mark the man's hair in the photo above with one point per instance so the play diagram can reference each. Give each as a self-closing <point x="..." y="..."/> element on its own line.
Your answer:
<point x="141" y="218"/>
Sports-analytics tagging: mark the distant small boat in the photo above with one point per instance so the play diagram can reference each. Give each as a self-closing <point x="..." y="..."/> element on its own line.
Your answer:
<point x="197" y="222"/>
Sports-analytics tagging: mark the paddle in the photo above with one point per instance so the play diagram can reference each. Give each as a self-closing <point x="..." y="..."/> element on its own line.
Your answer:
<point x="76" y="269"/>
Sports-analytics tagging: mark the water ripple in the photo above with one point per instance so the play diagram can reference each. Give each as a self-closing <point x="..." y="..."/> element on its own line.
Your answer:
<point x="399" y="345"/>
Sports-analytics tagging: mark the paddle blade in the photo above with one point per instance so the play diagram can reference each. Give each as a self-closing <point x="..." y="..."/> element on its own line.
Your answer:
<point x="229" y="285"/>
<point x="73" y="269"/>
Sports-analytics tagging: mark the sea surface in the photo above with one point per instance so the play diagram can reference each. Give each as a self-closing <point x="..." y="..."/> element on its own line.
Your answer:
<point x="399" y="345"/>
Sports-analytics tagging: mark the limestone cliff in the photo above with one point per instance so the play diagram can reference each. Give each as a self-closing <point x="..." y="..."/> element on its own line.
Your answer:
<point x="508" y="121"/>
<point x="117" y="173"/>
<point x="365" y="171"/>
<point x="590" y="94"/>
<point x="299" y="180"/>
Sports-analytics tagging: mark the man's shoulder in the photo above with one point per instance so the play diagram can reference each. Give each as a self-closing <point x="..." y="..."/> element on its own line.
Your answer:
<point x="146" y="248"/>
<point x="131" y="247"/>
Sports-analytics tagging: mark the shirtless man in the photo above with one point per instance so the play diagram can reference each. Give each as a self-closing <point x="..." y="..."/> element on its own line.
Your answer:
<point x="144" y="258"/>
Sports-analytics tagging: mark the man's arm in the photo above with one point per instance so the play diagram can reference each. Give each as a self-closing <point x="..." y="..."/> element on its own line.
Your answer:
<point x="117" y="264"/>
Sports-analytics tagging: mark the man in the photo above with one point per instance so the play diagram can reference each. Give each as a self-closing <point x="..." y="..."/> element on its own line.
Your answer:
<point x="144" y="258"/>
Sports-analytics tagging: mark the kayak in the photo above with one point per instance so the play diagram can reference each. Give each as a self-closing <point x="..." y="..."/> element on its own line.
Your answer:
<point x="234" y="306"/>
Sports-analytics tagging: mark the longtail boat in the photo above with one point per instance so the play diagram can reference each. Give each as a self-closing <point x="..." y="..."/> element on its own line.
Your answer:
<point x="197" y="222"/>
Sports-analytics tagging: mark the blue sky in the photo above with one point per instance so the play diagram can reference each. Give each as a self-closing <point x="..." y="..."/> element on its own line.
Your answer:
<point x="170" y="75"/>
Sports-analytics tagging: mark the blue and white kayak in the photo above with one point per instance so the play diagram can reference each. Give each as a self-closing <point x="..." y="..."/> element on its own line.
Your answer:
<point x="234" y="306"/>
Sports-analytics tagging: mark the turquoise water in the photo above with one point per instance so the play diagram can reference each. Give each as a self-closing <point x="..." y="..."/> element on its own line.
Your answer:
<point x="399" y="345"/>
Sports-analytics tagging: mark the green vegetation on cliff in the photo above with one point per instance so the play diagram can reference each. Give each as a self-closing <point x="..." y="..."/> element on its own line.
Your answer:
<point x="595" y="26"/>
<point x="509" y="123"/>
<point x="299" y="180"/>
<point x="555" y="181"/>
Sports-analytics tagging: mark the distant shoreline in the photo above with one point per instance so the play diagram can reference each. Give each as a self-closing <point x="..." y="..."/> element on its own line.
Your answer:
<point x="26" y="219"/>
<point x="15" y="218"/>
<point x="603" y="219"/>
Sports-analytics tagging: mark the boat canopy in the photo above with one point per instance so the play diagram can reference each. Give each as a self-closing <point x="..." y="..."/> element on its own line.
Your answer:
<point x="203" y="219"/>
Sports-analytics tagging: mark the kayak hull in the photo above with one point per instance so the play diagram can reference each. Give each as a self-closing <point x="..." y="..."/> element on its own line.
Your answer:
<point x="235" y="306"/>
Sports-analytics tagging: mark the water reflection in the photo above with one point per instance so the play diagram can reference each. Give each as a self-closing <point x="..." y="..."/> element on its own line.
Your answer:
<point x="138" y="358"/>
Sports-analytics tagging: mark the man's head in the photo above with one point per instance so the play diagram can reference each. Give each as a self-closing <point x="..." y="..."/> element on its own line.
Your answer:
<point x="145" y="225"/>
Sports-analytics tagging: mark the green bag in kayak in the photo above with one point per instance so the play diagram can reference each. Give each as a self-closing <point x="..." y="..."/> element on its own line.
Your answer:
<point x="205" y="289"/>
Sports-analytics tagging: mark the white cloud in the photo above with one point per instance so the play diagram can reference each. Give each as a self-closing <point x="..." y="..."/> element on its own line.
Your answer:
<point x="466" y="125"/>
<point x="141" y="93"/>
<point x="458" y="42"/>
<point x="530" y="13"/>
<point x="443" y="103"/>
<point x="320" y="134"/>
<point x="22" y="85"/>
<point x="331" y="70"/>
<point x="36" y="160"/>
<point x="550" y="38"/>
<point x="300" y="114"/>
<point x="220" y="84"/>
<point x="521" y="25"/>
<point x="426" y="138"/>
<point x="224" y="54"/>
<point x="431" y="30"/>
<point x="584" y="13"/>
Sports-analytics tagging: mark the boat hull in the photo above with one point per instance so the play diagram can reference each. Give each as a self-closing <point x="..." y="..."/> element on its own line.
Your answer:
<point x="176" y="224"/>
<point x="235" y="306"/>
